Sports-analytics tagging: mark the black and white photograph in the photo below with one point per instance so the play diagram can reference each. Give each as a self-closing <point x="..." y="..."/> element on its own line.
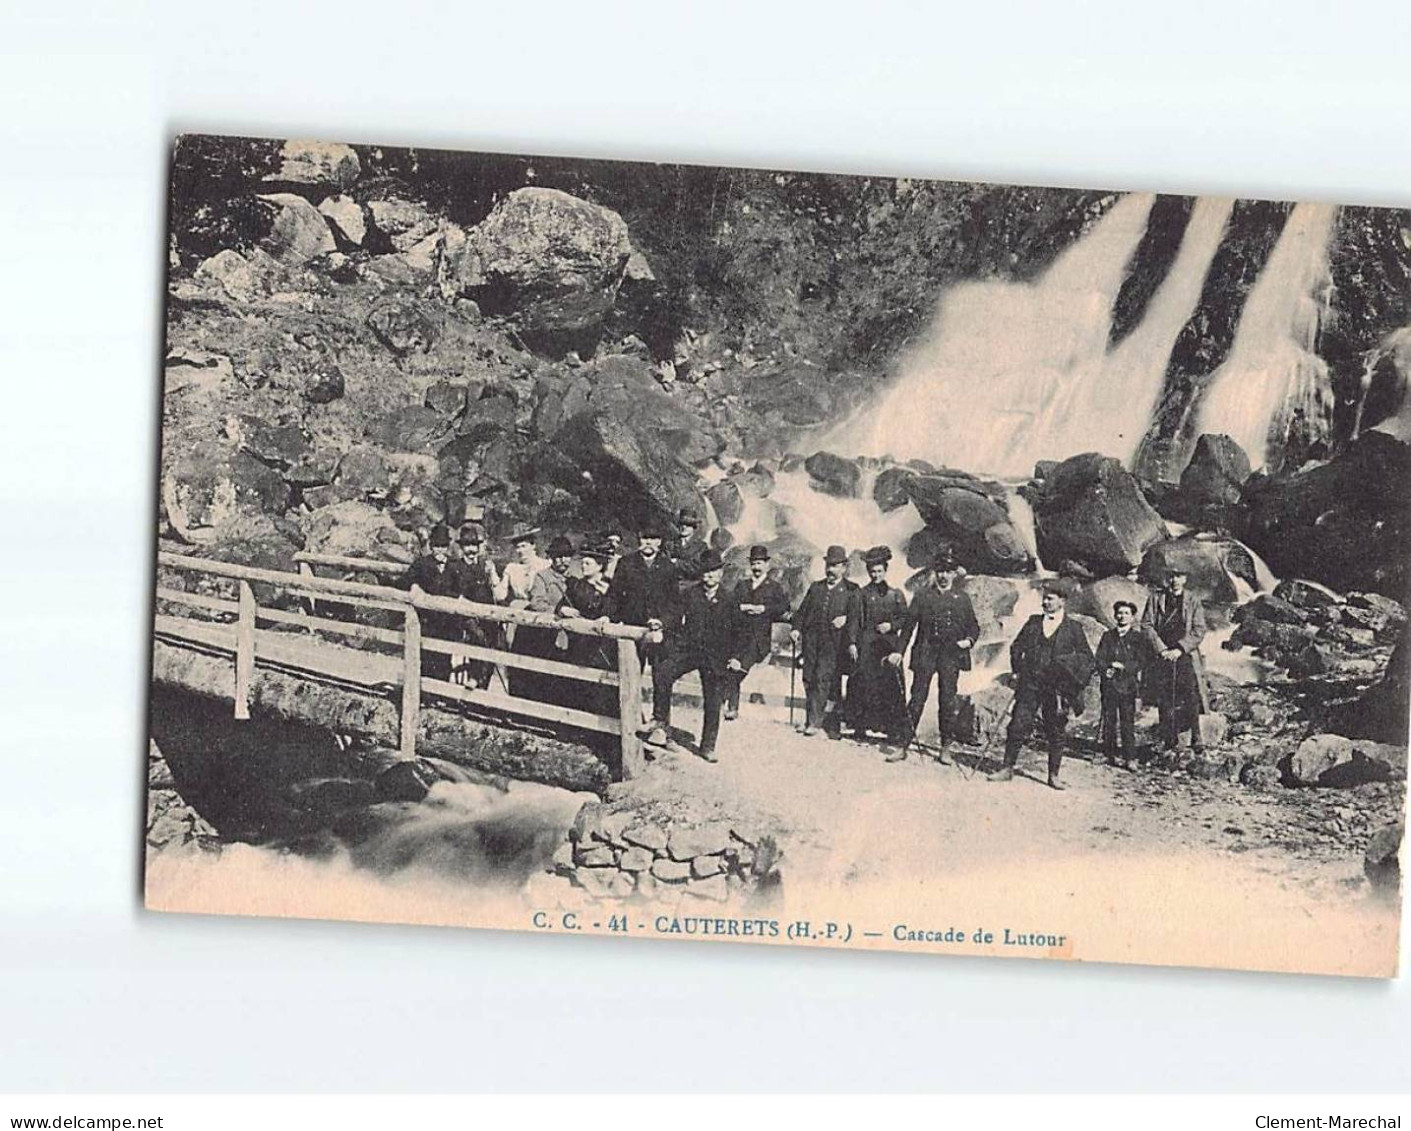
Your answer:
<point x="725" y="554"/>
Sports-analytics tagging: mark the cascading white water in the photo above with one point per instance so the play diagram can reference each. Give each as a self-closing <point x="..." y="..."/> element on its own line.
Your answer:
<point x="1397" y="346"/>
<point x="1273" y="372"/>
<point x="1012" y="373"/>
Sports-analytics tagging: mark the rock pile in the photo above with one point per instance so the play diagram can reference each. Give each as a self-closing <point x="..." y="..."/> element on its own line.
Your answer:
<point x="619" y="855"/>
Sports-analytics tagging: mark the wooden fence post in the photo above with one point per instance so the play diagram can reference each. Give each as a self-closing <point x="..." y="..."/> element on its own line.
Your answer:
<point x="307" y="570"/>
<point x="411" y="681"/>
<point x="244" y="650"/>
<point x="629" y="707"/>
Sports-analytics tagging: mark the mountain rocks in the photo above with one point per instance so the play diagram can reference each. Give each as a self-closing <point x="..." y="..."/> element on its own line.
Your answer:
<point x="345" y="218"/>
<point x="1381" y="863"/>
<point x="890" y="488"/>
<point x="316" y="164"/>
<point x="554" y="260"/>
<point x="298" y="232"/>
<point x="833" y="475"/>
<point x="1344" y="523"/>
<point x="1216" y="472"/>
<point x="1090" y="510"/>
<point x="1096" y="598"/>
<point x="1215" y="566"/>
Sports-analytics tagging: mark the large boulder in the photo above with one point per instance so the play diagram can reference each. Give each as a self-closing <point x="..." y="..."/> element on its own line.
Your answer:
<point x="399" y="225"/>
<point x="553" y="260"/>
<point x="1345" y="523"/>
<point x="1308" y="596"/>
<point x="833" y="475"/>
<point x="624" y="387"/>
<point x="316" y="164"/>
<point x="1096" y="598"/>
<point x="630" y="473"/>
<point x="889" y="489"/>
<point x="345" y="218"/>
<point x="211" y="483"/>
<point x="1383" y="711"/>
<point x="297" y="230"/>
<point x="971" y="516"/>
<point x="1219" y="569"/>
<point x="1382" y="862"/>
<point x="1090" y="510"/>
<point x="1216" y="472"/>
<point x="351" y="529"/>
<point x="1318" y="755"/>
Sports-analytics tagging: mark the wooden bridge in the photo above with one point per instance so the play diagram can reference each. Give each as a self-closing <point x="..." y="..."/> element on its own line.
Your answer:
<point x="368" y="640"/>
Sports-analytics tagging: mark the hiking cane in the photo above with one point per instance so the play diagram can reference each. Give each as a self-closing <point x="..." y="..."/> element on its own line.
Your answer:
<point x="793" y="670"/>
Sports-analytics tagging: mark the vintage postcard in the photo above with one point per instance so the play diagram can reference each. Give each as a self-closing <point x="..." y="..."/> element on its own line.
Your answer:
<point x="717" y="554"/>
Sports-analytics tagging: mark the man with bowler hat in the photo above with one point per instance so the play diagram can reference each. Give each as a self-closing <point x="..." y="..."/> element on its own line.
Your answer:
<point x="705" y="637"/>
<point x="946" y="631"/>
<point x="826" y="627"/>
<point x="761" y="601"/>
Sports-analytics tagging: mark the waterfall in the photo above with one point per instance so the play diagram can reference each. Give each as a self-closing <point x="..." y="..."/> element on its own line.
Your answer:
<point x="1016" y="372"/>
<point x="1273" y="378"/>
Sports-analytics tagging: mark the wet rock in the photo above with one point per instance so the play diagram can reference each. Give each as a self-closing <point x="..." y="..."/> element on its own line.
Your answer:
<point x="316" y="164"/>
<point x="298" y="232"/>
<point x="1311" y="660"/>
<point x="727" y="501"/>
<point x="556" y="262"/>
<point x="405" y="781"/>
<point x="327" y="797"/>
<point x="1381" y="864"/>
<point x="345" y="218"/>
<point x="1216" y="566"/>
<point x="971" y="522"/>
<point x="1272" y="608"/>
<point x="1090" y="510"/>
<point x="1216" y="472"/>
<point x="889" y="489"/>
<point x="833" y="475"/>
<point x="1344" y="523"/>
<point x="1307" y="595"/>
<point x="1382" y="615"/>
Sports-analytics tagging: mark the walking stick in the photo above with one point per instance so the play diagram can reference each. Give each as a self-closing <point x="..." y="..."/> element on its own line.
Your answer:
<point x="793" y="670"/>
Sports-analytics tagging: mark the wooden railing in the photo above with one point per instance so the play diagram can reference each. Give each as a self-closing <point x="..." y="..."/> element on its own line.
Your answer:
<point x="237" y="630"/>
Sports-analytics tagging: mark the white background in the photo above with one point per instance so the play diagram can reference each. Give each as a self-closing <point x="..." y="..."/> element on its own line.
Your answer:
<point x="1298" y="99"/>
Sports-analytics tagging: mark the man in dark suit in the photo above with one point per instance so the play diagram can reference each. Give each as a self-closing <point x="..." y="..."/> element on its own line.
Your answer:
<point x="644" y="589"/>
<point x="435" y="574"/>
<point x="946" y="631"/>
<point x="688" y="546"/>
<point x="476" y="580"/>
<point x="705" y="637"/>
<point x="1123" y="654"/>
<point x="826" y="625"/>
<point x="877" y="686"/>
<point x="1177" y="679"/>
<point x="1052" y="663"/>
<point x="761" y="601"/>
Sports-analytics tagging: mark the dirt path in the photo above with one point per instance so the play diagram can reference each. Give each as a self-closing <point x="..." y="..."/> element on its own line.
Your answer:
<point x="1142" y="866"/>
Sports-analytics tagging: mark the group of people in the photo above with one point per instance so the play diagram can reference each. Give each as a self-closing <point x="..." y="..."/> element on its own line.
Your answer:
<point x="851" y="640"/>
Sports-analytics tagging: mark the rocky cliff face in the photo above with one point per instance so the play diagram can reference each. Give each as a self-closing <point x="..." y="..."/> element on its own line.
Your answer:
<point x="362" y="341"/>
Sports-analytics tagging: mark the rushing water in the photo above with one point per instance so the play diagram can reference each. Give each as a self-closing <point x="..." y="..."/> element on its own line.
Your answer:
<point x="1013" y="372"/>
<point x="1273" y="375"/>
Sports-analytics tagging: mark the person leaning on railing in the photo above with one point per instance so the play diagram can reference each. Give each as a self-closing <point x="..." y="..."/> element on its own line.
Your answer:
<point x="477" y="580"/>
<point x="588" y="597"/>
<point x="436" y="574"/>
<point x="546" y="594"/>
